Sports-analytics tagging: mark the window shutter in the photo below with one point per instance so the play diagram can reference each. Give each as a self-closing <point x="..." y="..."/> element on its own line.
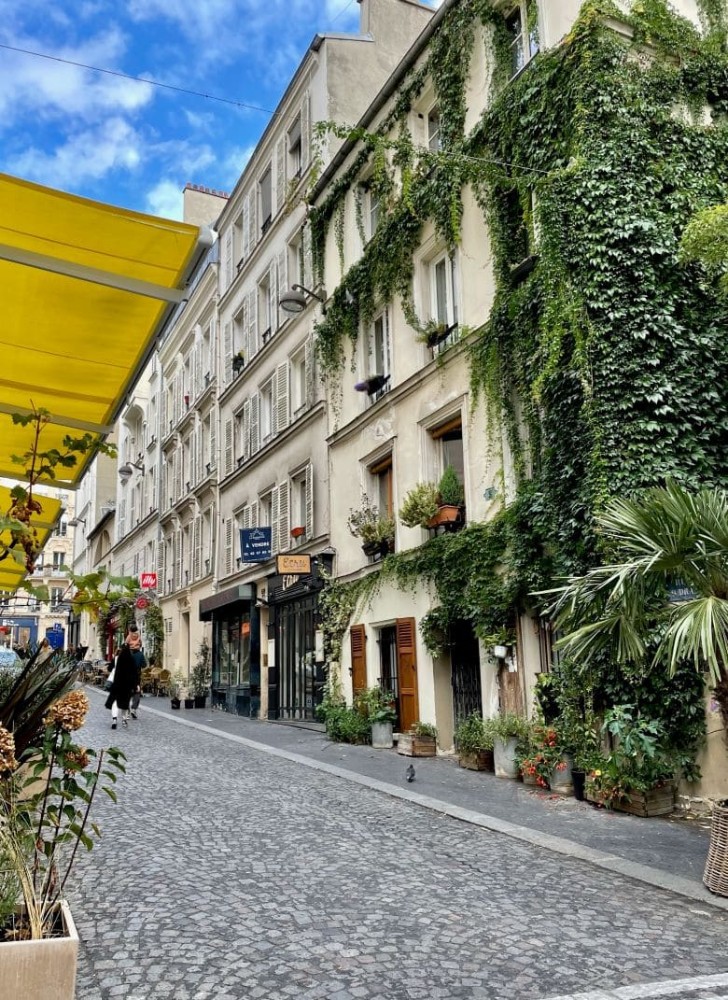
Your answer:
<point x="177" y="474"/>
<point x="283" y="396"/>
<point x="305" y="130"/>
<point x="161" y="567"/>
<point x="227" y="349"/>
<point x="178" y="558"/>
<point x="201" y="472"/>
<point x="192" y="445"/>
<point x="246" y="429"/>
<point x="281" y="154"/>
<point x="210" y="360"/>
<point x="227" y="259"/>
<point x="274" y="541"/>
<point x="273" y="295"/>
<point x="254" y="423"/>
<point x="229" y="546"/>
<point x="122" y="517"/>
<point x="196" y="546"/>
<point x="254" y="510"/>
<point x="308" y="280"/>
<point x="213" y="440"/>
<point x="309" y="502"/>
<point x="407" y="672"/>
<point x="358" y="658"/>
<point x="282" y="269"/>
<point x="197" y="368"/>
<point x="163" y="413"/>
<point x="245" y="222"/>
<point x="252" y="323"/>
<point x="229" y="457"/>
<point x="252" y="220"/>
<point x="212" y="540"/>
<point x="309" y="371"/>
<point x="284" y="518"/>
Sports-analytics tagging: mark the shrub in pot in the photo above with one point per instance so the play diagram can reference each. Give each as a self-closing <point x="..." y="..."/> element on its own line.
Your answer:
<point x="508" y="730"/>
<point x="201" y="675"/>
<point x="379" y="707"/>
<point x="375" y="531"/>
<point x="474" y="739"/>
<point x="419" y="506"/>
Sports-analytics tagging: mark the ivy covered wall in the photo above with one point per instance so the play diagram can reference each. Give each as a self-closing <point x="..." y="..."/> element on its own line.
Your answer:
<point x="607" y="361"/>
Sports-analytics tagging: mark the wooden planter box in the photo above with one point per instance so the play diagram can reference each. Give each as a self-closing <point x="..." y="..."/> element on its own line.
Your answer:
<point x="482" y="760"/>
<point x="41" y="970"/>
<point x="655" y="802"/>
<point x="416" y="746"/>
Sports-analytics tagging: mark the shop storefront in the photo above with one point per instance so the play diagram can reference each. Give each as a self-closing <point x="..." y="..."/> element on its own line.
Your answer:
<point x="296" y="678"/>
<point x="235" y="683"/>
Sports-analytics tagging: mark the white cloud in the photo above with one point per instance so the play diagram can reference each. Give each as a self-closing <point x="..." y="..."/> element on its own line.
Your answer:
<point x="87" y="155"/>
<point x="165" y="199"/>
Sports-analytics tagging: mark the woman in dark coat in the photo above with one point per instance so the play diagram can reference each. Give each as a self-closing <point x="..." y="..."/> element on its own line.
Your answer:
<point x="127" y="677"/>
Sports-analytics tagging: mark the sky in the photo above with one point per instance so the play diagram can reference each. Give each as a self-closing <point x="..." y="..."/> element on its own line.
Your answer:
<point x="133" y="144"/>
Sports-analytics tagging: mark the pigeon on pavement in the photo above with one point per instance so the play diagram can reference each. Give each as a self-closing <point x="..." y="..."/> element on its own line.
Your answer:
<point x="410" y="773"/>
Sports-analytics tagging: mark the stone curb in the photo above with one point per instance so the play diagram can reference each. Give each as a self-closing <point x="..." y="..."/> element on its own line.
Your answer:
<point x="559" y="845"/>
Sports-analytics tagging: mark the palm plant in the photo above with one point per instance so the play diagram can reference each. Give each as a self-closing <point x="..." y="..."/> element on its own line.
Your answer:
<point x="664" y="597"/>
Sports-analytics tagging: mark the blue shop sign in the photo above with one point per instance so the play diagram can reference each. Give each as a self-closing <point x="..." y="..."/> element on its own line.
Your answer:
<point x="679" y="592"/>
<point x="255" y="544"/>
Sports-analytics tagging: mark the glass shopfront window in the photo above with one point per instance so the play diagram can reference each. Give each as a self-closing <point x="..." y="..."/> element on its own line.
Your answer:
<point x="232" y="665"/>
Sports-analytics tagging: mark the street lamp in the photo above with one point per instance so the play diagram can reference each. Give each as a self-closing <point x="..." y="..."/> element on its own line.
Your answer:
<point x="295" y="301"/>
<point x="126" y="470"/>
<point x="75" y="521"/>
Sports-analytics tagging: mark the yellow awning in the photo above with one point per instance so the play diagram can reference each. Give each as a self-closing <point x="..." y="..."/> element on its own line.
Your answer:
<point x="86" y="288"/>
<point x="12" y="572"/>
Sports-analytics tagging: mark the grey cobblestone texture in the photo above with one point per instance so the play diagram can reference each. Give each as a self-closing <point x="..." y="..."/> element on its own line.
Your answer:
<point x="227" y="872"/>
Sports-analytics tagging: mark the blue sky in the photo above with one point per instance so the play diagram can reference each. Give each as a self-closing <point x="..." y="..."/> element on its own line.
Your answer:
<point x="137" y="145"/>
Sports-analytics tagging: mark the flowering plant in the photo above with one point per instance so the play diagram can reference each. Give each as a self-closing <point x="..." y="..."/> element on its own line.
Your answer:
<point x="541" y="754"/>
<point x="46" y="794"/>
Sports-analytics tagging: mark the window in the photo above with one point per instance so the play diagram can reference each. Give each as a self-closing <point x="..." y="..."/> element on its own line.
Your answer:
<point x="295" y="160"/>
<point x="62" y="528"/>
<point x="379" y="359"/>
<point x="448" y="438"/>
<point x="240" y="329"/>
<point x="299" y="383"/>
<point x="239" y="241"/>
<point x="381" y="473"/>
<point x="265" y="510"/>
<point x="57" y="594"/>
<point x="524" y="42"/>
<point x="444" y="290"/>
<point x="295" y="261"/>
<point x="434" y="137"/>
<point x="266" y="410"/>
<point x="58" y="560"/>
<point x="373" y="205"/>
<point x="266" y="199"/>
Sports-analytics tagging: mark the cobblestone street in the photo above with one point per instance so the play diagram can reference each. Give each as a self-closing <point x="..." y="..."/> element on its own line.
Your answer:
<point x="228" y="872"/>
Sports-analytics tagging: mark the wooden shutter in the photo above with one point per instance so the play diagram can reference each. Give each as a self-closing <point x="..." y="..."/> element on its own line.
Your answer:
<point x="309" y="502"/>
<point x="358" y="658"/>
<point x="161" y="567"/>
<point x="274" y="520"/>
<point x="246" y="429"/>
<point x="229" y="546"/>
<point x="245" y="223"/>
<point x="196" y="546"/>
<point x="252" y="219"/>
<point x="305" y="130"/>
<point x="282" y="270"/>
<point x="213" y="440"/>
<point x="254" y="423"/>
<point x="309" y="371"/>
<point x="252" y="324"/>
<point x="177" y="474"/>
<point x="227" y="350"/>
<point x="229" y="457"/>
<point x="227" y="258"/>
<point x="284" y="517"/>
<point x="281" y="154"/>
<point x="283" y="397"/>
<point x="273" y="295"/>
<point x="210" y="360"/>
<point x="308" y="279"/>
<point x="122" y="517"/>
<point x="407" y="672"/>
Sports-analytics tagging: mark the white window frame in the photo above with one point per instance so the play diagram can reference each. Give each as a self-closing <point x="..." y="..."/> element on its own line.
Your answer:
<point x="434" y="131"/>
<point x="267" y="410"/>
<point x="523" y="46"/>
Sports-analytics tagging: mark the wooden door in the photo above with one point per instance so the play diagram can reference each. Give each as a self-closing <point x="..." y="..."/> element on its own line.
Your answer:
<point x="358" y="658"/>
<point x="409" y="710"/>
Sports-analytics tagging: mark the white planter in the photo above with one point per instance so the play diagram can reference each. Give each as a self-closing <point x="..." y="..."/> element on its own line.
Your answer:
<point x="504" y="757"/>
<point x="41" y="970"/>
<point x="500" y="652"/>
<point x="561" y="781"/>
<point x="382" y="737"/>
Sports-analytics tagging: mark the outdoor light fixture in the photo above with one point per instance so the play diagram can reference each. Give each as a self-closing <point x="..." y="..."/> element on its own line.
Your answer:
<point x="126" y="470"/>
<point x="75" y="521"/>
<point x="295" y="301"/>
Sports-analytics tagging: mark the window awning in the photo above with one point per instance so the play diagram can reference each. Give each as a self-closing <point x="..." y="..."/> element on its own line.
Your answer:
<point x="86" y="289"/>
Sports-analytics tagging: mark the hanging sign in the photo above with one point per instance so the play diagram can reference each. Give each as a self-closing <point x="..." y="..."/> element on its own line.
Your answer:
<point x="255" y="544"/>
<point x="141" y="603"/>
<point x="148" y="581"/>
<point x="289" y="564"/>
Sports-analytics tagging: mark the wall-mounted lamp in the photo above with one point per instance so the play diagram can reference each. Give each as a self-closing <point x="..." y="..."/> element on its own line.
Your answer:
<point x="260" y="602"/>
<point x="295" y="301"/>
<point x="75" y="521"/>
<point x="126" y="469"/>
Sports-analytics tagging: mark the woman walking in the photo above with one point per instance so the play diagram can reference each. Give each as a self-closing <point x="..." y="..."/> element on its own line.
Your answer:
<point x="126" y="680"/>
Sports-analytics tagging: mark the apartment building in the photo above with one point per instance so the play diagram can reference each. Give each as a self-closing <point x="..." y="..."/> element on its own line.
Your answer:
<point x="273" y="476"/>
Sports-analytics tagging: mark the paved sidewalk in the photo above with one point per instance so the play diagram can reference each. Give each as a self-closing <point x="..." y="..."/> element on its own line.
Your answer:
<point x="663" y="852"/>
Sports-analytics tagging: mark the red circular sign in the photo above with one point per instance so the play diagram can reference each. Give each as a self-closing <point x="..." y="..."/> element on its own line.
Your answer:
<point x="141" y="603"/>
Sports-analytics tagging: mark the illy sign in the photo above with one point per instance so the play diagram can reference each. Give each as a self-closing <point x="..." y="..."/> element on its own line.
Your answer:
<point x="148" y="581"/>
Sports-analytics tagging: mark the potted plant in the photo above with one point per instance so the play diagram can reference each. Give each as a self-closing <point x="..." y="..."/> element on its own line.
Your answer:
<point x="435" y="331"/>
<point x="419" y="506"/>
<point x="175" y="691"/>
<point x="508" y="730"/>
<point x="420" y="741"/>
<point x="638" y="775"/>
<point x="201" y="674"/>
<point x="376" y="532"/>
<point x="450" y="499"/>
<point x="474" y="739"/>
<point x="382" y="713"/>
<point x="46" y="794"/>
